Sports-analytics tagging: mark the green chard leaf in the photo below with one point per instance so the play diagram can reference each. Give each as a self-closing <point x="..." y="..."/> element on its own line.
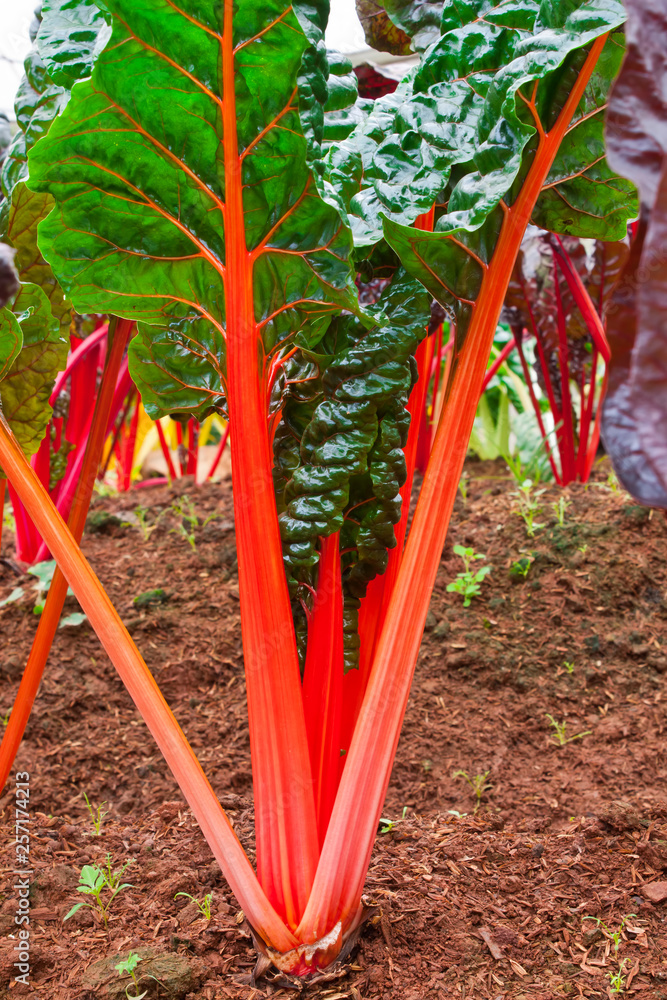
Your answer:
<point x="526" y="75"/>
<point x="118" y="238"/>
<point x="462" y="129"/>
<point x="339" y="458"/>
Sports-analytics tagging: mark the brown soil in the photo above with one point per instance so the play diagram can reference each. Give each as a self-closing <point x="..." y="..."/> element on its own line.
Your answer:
<point x="488" y="904"/>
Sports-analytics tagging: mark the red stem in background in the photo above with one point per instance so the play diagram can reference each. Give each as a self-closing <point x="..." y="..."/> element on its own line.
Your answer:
<point x="583" y="299"/>
<point x="567" y="438"/>
<point x="146" y="695"/>
<point x="500" y="360"/>
<point x="179" y="450"/>
<point x="67" y="488"/>
<point x="75" y="358"/>
<point x="193" y="437"/>
<point x="323" y="681"/>
<point x="219" y="452"/>
<point x="171" y="471"/>
<point x="55" y="599"/>
<point x="127" y="451"/>
<point x="536" y="406"/>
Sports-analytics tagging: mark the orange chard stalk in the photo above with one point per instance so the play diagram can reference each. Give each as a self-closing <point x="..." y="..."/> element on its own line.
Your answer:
<point x="341" y="873"/>
<point x="118" y="337"/>
<point x="146" y="695"/>
<point x="323" y="681"/>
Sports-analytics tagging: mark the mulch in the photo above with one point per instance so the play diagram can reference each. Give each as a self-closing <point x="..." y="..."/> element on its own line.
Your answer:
<point x="548" y="885"/>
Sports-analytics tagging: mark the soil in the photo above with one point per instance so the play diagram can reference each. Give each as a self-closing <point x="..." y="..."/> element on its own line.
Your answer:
<point x="548" y="886"/>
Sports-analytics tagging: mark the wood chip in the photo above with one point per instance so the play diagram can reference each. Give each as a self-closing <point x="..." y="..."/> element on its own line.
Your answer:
<point x="656" y="892"/>
<point x="493" y="946"/>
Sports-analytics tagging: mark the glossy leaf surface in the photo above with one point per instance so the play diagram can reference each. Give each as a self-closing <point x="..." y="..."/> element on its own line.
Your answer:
<point x="71" y="36"/>
<point x="470" y="109"/>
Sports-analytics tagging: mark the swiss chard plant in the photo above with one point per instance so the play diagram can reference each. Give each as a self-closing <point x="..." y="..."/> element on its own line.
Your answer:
<point x="215" y="184"/>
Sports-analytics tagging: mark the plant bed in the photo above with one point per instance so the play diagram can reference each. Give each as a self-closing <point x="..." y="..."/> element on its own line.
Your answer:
<point x="491" y="901"/>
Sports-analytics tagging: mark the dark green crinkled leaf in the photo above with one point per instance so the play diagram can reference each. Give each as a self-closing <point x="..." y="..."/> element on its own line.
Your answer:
<point x="71" y="36"/>
<point x="28" y="383"/>
<point x="344" y="109"/>
<point x="458" y="131"/>
<point x="339" y="458"/>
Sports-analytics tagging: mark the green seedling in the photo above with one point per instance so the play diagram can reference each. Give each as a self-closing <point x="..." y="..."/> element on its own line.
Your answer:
<point x="583" y="549"/>
<point x="103" y="885"/>
<point x="126" y="968"/>
<point x="184" y="509"/>
<point x="203" y="905"/>
<point x="560" y="508"/>
<point x="387" y="825"/>
<point x="468" y="583"/>
<point x="521" y="568"/>
<point x="614" y="936"/>
<point x="463" y="487"/>
<point x="96" y="815"/>
<point x="560" y="732"/>
<point x="617" y="979"/>
<point x="141" y="521"/>
<point x="478" y="783"/>
<point x="5" y="718"/>
<point x="528" y="506"/>
<point x="569" y="666"/>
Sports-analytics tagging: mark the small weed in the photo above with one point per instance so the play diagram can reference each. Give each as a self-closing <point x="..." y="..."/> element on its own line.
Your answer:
<point x="569" y="666"/>
<point x="610" y="483"/>
<point x="560" y="732"/>
<point x="583" y="549"/>
<point x="98" y="883"/>
<point x="387" y="825"/>
<point x="96" y="815"/>
<point x="615" y="936"/>
<point x="560" y="508"/>
<point x="5" y="718"/>
<point x="126" y="968"/>
<point x="203" y="905"/>
<point x="521" y="568"/>
<point x="141" y="522"/>
<point x="478" y="783"/>
<point x="184" y="509"/>
<point x="617" y="979"/>
<point x="463" y="487"/>
<point x="468" y="583"/>
<point x="528" y="506"/>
